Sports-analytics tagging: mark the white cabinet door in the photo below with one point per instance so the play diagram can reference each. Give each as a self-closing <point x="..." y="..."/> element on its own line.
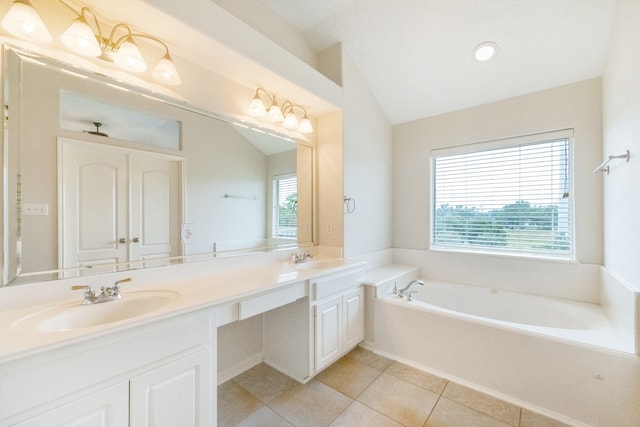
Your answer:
<point x="176" y="394"/>
<point x="108" y="407"/>
<point x="328" y="321"/>
<point x="353" y="302"/>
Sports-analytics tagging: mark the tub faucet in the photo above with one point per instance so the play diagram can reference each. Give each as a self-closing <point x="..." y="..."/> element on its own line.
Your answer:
<point x="406" y="291"/>
<point x="298" y="258"/>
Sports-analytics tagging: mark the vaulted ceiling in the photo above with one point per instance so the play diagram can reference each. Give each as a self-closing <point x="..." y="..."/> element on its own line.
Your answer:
<point x="416" y="55"/>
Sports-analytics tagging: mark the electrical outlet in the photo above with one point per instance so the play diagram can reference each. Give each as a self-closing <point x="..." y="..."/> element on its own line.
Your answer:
<point x="35" y="209"/>
<point x="329" y="227"/>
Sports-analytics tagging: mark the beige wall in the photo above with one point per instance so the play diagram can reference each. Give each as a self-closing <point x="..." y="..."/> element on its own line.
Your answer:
<point x="621" y="93"/>
<point x="355" y="162"/>
<point x="367" y="166"/>
<point x="576" y="106"/>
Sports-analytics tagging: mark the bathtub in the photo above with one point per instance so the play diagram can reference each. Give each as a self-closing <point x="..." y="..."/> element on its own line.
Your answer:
<point x="553" y="317"/>
<point x="555" y="356"/>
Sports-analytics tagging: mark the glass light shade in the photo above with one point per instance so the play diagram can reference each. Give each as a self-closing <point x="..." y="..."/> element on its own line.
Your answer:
<point x="129" y="57"/>
<point x="305" y="125"/>
<point x="166" y="72"/>
<point x="290" y="121"/>
<point x="79" y="37"/>
<point x="256" y="107"/>
<point x="23" y="21"/>
<point x="274" y="114"/>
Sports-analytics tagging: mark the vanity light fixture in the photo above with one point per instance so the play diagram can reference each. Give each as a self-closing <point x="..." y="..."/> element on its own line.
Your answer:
<point x="291" y="120"/>
<point x="276" y="114"/>
<point x="23" y="21"/>
<point x="485" y="51"/>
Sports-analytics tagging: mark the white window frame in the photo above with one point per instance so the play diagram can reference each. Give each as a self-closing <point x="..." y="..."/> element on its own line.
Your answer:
<point x="498" y="144"/>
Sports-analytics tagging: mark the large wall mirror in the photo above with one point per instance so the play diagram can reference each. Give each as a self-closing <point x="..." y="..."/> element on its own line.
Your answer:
<point x="101" y="177"/>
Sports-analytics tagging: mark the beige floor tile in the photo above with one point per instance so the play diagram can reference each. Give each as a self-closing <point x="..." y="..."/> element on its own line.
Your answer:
<point x="312" y="404"/>
<point x="417" y="377"/>
<point x="235" y="404"/>
<point x="264" y="417"/>
<point x="359" y="415"/>
<point x="349" y="376"/>
<point x="496" y="408"/>
<point x="400" y="400"/>
<point x="532" y="419"/>
<point x="369" y="358"/>
<point x="264" y="382"/>
<point x="451" y="414"/>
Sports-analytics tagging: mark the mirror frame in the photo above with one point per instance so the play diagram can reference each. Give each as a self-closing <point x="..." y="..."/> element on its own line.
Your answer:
<point x="10" y="180"/>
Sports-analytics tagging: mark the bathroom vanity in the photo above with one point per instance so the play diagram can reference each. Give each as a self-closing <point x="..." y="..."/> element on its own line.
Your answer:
<point x="159" y="368"/>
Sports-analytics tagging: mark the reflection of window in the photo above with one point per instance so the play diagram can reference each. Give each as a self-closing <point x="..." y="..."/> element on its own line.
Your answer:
<point x="285" y="191"/>
<point x="508" y="196"/>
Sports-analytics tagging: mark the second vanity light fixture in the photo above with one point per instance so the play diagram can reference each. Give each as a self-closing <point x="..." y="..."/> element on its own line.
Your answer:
<point x="23" y="21"/>
<point x="284" y="113"/>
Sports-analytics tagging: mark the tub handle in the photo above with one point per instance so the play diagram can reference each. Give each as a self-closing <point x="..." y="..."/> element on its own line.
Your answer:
<point x="410" y="293"/>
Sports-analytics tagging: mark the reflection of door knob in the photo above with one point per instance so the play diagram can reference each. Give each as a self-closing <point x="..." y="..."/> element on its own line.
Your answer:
<point x="122" y="240"/>
<point x="136" y="240"/>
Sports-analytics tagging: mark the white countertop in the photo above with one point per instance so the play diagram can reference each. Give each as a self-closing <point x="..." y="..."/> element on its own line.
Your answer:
<point x="219" y="285"/>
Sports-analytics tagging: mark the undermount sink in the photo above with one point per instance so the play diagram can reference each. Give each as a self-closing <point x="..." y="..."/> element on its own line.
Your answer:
<point x="320" y="263"/>
<point x="73" y="315"/>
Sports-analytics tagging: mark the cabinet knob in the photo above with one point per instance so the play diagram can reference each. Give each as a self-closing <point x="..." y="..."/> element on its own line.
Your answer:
<point x="122" y="240"/>
<point x="136" y="240"/>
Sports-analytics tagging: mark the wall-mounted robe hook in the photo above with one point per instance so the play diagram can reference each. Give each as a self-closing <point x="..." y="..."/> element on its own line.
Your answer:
<point x="604" y="167"/>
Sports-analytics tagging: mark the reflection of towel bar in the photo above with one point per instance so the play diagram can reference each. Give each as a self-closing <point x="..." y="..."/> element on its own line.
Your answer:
<point x="235" y="196"/>
<point x="604" y="166"/>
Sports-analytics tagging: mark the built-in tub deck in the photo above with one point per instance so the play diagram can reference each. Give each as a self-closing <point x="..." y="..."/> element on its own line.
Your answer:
<point x="572" y="321"/>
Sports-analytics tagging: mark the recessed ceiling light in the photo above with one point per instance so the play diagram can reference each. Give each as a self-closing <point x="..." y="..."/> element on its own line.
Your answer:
<point x="485" y="51"/>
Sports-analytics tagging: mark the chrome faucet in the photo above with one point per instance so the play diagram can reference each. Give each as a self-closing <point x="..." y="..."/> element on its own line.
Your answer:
<point x="106" y="293"/>
<point x="298" y="258"/>
<point x="406" y="291"/>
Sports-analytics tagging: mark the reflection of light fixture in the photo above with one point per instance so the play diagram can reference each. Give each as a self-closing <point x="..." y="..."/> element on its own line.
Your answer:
<point x="276" y="114"/>
<point x="485" y="51"/>
<point x="291" y="120"/>
<point x="23" y="21"/>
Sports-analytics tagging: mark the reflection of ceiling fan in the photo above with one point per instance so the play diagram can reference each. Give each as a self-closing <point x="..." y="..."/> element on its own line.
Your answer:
<point x="97" y="131"/>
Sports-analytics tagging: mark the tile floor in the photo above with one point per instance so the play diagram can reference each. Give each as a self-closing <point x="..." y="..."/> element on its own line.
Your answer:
<point x="363" y="389"/>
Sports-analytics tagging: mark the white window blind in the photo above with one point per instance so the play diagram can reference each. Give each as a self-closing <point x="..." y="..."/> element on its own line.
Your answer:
<point x="509" y="196"/>
<point x="286" y="207"/>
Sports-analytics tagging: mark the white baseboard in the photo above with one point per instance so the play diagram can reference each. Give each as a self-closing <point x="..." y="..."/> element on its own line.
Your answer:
<point x="240" y="367"/>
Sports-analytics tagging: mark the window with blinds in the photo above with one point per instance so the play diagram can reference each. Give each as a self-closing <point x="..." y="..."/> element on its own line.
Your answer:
<point x="286" y="207"/>
<point x="508" y="196"/>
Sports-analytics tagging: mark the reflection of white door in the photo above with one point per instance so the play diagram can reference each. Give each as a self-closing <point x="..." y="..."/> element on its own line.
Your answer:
<point x="117" y="205"/>
<point x="154" y="224"/>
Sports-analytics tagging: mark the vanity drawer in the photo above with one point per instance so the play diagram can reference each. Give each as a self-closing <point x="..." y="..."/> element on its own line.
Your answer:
<point x="337" y="282"/>
<point x="227" y="313"/>
<point x="265" y="302"/>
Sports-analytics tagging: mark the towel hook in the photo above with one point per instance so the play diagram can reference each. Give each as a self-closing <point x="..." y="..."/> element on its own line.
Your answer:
<point x="350" y="204"/>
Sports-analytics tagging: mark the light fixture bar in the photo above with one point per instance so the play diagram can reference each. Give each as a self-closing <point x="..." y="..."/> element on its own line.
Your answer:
<point x="276" y="114"/>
